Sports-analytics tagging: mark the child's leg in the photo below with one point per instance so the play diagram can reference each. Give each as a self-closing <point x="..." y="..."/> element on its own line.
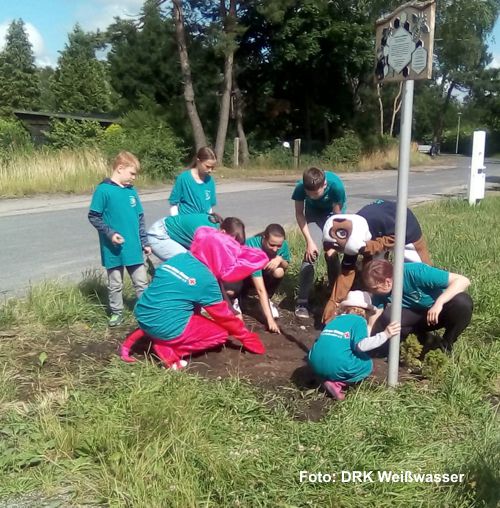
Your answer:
<point x="162" y="245"/>
<point x="272" y="280"/>
<point x="115" y="289"/>
<point x="335" y="388"/>
<point x="315" y="222"/>
<point x="139" y="276"/>
<point x="129" y="342"/>
<point x="200" y="335"/>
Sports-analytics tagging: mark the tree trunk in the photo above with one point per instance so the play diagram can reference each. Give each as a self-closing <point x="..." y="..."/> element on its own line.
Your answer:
<point x="438" y="130"/>
<point x="238" y="113"/>
<point x="381" y="109"/>
<point x="229" y="21"/>
<point x="396" y="106"/>
<point x="196" y="125"/>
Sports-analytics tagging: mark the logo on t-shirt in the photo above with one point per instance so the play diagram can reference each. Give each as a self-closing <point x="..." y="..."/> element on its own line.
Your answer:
<point x="192" y="281"/>
<point x="207" y="195"/>
<point x="347" y="335"/>
<point x="133" y="201"/>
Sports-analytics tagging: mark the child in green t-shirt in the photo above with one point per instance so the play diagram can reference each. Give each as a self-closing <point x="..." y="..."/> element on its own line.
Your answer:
<point x="318" y="195"/>
<point x="116" y="212"/>
<point x="339" y="354"/>
<point x="266" y="281"/>
<point x="194" y="188"/>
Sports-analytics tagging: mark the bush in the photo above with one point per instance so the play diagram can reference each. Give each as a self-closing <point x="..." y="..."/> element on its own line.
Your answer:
<point x="72" y="133"/>
<point x="13" y="137"/>
<point x="150" y="139"/>
<point x="344" y="150"/>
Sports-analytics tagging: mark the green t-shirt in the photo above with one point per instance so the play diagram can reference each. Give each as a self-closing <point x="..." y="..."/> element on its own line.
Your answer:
<point x="179" y="286"/>
<point x="334" y="355"/>
<point x="256" y="241"/>
<point x="334" y="193"/>
<point x="191" y="196"/>
<point x="422" y="285"/>
<point x="120" y="208"/>
<point x="181" y="228"/>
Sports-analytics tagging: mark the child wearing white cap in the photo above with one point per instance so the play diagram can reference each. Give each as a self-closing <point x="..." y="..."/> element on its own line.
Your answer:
<point x="339" y="355"/>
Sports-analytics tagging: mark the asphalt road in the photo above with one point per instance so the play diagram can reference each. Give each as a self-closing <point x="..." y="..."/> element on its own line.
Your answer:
<point x="51" y="237"/>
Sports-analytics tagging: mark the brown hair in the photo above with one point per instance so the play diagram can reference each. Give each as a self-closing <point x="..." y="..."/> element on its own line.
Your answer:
<point x="205" y="153"/>
<point x="234" y="227"/>
<point x="125" y="158"/>
<point x="273" y="229"/>
<point x="377" y="271"/>
<point x="313" y="178"/>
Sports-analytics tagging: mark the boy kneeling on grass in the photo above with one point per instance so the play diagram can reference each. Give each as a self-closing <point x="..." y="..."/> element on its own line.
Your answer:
<point x="339" y="355"/>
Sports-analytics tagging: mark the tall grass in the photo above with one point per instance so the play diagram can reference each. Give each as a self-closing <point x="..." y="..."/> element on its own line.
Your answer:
<point x="53" y="171"/>
<point x="137" y="435"/>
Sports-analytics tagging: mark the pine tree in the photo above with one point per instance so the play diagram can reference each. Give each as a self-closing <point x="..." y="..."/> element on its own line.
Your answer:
<point x="80" y="83"/>
<point x="18" y="78"/>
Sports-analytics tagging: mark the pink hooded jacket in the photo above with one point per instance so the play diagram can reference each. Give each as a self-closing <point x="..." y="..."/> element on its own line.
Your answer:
<point x="225" y="257"/>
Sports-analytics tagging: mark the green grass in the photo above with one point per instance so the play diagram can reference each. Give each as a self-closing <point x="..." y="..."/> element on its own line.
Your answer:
<point x="137" y="435"/>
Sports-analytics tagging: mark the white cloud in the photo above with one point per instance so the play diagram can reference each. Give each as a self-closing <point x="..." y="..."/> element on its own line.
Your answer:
<point x="101" y="13"/>
<point x="495" y="63"/>
<point x="35" y="37"/>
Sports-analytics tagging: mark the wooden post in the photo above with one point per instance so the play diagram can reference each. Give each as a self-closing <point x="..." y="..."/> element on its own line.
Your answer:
<point x="296" y="153"/>
<point x="236" y="153"/>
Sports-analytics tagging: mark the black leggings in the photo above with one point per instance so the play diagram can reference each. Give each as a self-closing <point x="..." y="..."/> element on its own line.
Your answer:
<point x="241" y="288"/>
<point x="454" y="318"/>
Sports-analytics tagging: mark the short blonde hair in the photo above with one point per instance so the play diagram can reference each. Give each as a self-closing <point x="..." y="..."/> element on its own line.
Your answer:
<point x="125" y="158"/>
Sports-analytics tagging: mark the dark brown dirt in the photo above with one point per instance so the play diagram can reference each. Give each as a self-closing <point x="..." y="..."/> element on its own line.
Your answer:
<point x="282" y="368"/>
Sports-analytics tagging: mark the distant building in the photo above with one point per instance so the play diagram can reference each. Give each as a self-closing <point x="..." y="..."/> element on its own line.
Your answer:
<point x="38" y="122"/>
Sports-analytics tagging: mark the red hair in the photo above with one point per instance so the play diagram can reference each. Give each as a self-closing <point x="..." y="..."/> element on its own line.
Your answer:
<point x="377" y="271"/>
<point x="126" y="159"/>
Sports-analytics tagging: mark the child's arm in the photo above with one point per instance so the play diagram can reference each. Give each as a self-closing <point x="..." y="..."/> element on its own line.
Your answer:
<point x="143" y="235"/>
<point x="95" y="218"/>
<point x="380" y="338"/>
<point x="260" y="287"/>
<point x="311" y="248"/>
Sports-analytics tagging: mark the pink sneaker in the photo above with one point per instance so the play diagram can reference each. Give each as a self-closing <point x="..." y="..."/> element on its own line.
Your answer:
<point x="334" y="388"/>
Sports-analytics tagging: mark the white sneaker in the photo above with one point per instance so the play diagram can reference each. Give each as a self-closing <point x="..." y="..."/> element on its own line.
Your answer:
<point x="274" y="310"/>
<point x="236" y="306"/>
<point x="301" y="312"/>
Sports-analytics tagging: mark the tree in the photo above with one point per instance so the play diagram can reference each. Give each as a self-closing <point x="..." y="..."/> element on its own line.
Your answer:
<point x="143" y="60"/>
<point x="80" y="83"/>
<point x="462" y="27"/>
<point x="18" y="78"/>
<point x="189" y="95"/>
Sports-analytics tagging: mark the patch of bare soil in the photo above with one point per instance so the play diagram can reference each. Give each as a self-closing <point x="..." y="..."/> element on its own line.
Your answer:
<point x="282" y="368"/>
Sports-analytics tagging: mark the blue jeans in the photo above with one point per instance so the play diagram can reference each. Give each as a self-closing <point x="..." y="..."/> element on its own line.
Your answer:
<point x="162" y="245"/>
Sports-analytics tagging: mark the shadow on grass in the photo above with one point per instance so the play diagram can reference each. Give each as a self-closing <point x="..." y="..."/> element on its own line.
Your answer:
<point x="483" y="481"/>
<point x="93" y="287"/>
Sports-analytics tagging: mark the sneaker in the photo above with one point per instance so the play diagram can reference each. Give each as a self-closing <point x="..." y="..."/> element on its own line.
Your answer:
<point x="301" y="312"/>
<point x="274" y="310"/>
<point x="236" y="306"/>
<point x="179" y="365"/>
<point x="334" y="388"/>
<point x="115" y="319"/>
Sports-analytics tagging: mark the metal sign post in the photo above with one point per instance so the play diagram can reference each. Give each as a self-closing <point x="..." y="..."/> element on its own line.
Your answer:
<point x="399" y="247"/>
<point x="404" y="48"/>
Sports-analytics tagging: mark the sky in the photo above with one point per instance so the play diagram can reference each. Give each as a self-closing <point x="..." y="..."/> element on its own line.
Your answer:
<point x="49" y="21"/>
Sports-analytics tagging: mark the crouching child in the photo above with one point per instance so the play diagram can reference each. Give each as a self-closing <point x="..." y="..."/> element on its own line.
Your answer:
<point x="339" y="355"/>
